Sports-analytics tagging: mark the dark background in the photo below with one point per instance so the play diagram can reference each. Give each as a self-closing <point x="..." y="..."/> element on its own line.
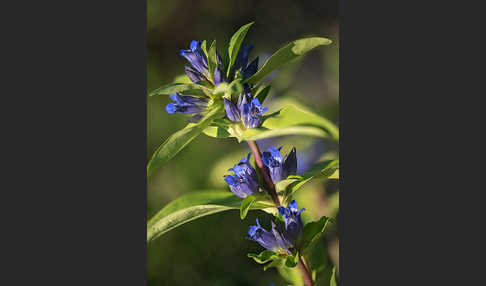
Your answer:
<point x="73" y="143"/>
<point x="212" y="250"/>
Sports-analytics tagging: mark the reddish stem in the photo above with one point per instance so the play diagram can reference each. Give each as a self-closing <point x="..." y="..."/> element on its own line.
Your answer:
<point x="306" y="274"/>
<point x="264" y="170"/>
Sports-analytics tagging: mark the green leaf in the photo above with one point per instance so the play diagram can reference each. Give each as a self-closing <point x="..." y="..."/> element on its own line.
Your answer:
<point x="312" y="232"/>
<point x="212" y="59"/>
<point x="335" y="175"/>
<point x="245" y="205"/>
<point x="292" y="115"/>
<point x="204" y="48"/>
<point x="321" y="170"/>
<point x="177" y="141"/>
<point x="183" y="88"/>
<point x="262" y="92"/>
<point x="216" y="132"/>
<point x="333" y="281"/>
<point x="264" y="256"/>
<point x="193" y="206"/>
<point x="274" y="263"/>
<point x="292" y="260"/>
<point x="292" y="120"/>
<point x="182" y="78"/>
<point x="289" y="52"/>
<point x="262" y="133"/>
<point x="235" y="44"/>
<point x="291" y="275"/>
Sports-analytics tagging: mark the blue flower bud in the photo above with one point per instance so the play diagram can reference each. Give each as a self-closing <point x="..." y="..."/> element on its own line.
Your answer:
<point x="193" y="74"/>
<point x="231" y="111"/>
<point x="251" y="69"/>
<point x="242" y="57"/>
<point x="196" y="57"/>
<point x="185" y="104"/>
<point x="269" y="240"/>
<point x="290" y="163"/>
<point x="244" y="181"/>
<point x="218" y="76"/>
<point x="279" y="167"/>
<point x="293" y="221"/>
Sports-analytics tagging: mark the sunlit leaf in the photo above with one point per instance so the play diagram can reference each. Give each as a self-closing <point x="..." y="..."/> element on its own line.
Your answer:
<point x="292" y="115"/>
<point x="321" y="170"/>
<point x="177" y="141"/>
<point x="183" y="88"/>
<point x="182" y="78"/>
<point x="193" y="206"/>
<point x="212" y="59"/>
<point x="289" y="52"/>
<point x="333" y="281"/>
<point x="235" y="44"/>
<point x="245" y="205"/>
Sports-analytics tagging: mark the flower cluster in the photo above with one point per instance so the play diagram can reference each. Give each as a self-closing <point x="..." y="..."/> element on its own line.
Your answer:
<point x="248" y="109"/>
<point x="280" y="238"/>
<point x="244" y="181"/>
<point x="280" y="167"/>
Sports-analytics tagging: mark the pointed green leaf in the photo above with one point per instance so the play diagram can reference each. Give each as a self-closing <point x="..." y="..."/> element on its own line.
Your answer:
<point x="184" y="88"/>
<point x="193" y="206"/>
<point x="320" y="170"/>
<point x="292" y="120"/>
<point x="182" y="78"/>
<point x="312" y="232"/>
<point x="235" y="44"/>
<point x="245" y="205"/>
<point x="177" y="141"/>
<point x="289" y="52"/>
<point x="261" y="133"/>
<point x="212" y="59"/>
<point x="333" y="281"/>
<point x="204" y="48"/>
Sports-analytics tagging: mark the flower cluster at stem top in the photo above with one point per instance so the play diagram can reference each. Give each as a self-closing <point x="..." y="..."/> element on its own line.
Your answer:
<point x="247" y="109"/>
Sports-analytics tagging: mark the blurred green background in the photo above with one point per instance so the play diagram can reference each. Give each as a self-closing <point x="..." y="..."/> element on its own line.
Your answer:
<point x="212" y="250"/>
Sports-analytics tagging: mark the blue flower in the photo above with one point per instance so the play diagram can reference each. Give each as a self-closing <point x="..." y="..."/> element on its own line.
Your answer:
<point x="199" y="61"/>
<point x="279" y="168"/>
<point x="197" y="58"/>
<point x="248" y="109"/>
<point x="293" y="222"/>
<point x="241" y="63"/>
<point x="252" y="113"/>
<point x="244" y="181"/>
<point x="272" y="240"/>
<point x="185" y="104"/>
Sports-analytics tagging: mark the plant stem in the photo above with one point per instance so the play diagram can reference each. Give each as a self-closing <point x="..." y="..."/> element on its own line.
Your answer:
<point x="265" y="172"/>
<point x="306" y="274"/>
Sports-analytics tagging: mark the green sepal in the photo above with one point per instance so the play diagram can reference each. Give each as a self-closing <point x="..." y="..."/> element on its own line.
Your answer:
<point x="245" y="205"/>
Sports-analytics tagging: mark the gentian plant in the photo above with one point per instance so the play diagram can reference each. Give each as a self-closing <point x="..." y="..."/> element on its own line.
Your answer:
<point x="224" y="95"/>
